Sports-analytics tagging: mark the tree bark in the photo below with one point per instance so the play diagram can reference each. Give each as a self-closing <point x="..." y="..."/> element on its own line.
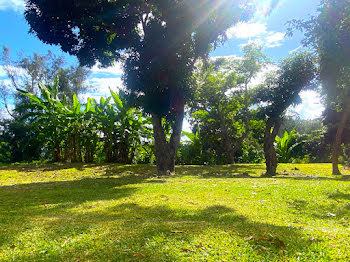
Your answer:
<point x="166" y="151"/>
<point x="338" y="139"/>
<point x="271" y="130"/>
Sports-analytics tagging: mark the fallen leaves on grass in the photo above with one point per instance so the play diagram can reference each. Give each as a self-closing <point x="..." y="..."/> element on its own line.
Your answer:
<point x="65" y="242"/>
<point x="200" y="246"/>
<point x="273" y="240"/>
<point x="188" y="250"/>
<point x="249" y="238"/>
<point x="140" y="255"/>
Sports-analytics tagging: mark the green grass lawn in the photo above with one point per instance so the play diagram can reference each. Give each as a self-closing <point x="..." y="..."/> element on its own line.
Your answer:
<point x="211" y="213"/>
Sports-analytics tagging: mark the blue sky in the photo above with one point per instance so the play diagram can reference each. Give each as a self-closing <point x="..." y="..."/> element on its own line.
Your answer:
<point x="266" y="28"/>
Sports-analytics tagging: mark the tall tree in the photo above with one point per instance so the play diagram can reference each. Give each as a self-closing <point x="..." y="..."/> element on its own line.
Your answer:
<point x="160" y="41"/>
<point x="27" y="72"/>
<point x="329" y="34"/>
<point x="279" y="92"/>
<point x="222" y="99"/>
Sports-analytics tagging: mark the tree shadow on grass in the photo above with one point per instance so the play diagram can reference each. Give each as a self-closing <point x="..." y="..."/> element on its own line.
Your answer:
<point x="339" y="196"/>
<point x="161" y="233"/>
<point x="307" y="177"/>
<point x="44" y="167"/>
<point x="338" y="210"/>
<point x="221" y="171"/>
<point x="246" y="171"/>
<point x="137" y="170"/>
<point x="112" y="169"/>
<point x="145" y="170"/>
<point x="19" y="204"/>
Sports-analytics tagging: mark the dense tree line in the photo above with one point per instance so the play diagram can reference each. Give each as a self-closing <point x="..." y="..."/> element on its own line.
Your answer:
<point x="164" y="46"/>
<point x="228" y="120"/>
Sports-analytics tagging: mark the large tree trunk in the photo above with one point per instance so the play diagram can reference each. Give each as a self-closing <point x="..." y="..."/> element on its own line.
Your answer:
<point x="271" y="130"/>
<point x="166" y="151"/>
<point x="338" y="140"/>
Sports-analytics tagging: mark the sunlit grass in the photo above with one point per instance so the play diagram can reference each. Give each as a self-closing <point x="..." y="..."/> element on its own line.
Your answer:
<point x="211" y="213"/>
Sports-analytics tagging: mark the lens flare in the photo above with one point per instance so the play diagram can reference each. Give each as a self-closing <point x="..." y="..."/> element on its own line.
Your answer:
<point x="268" y="6"/>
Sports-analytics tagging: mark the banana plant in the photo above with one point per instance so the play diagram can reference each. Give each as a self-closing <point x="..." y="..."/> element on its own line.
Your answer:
<point x="133" y="130"/>
<point x="192" y="151"/>
<point x="284" y="146"/>
<point x="66" y="128"/>
<point x="106" y="119"/>
<point x="72" y="131"/>
<point x="49" y="113"/>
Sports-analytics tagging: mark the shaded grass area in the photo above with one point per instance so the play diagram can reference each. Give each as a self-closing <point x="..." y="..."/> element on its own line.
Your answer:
<point x="113" y="212"/>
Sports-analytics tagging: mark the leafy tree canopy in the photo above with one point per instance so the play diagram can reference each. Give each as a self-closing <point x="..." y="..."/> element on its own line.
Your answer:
<point x="282" y="89"/>
<point x="328" y="33"/>
<point x="160" y="39"/>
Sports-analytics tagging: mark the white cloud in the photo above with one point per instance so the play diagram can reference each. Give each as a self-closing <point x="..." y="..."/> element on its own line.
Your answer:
<point x="2" y="71"/>
<point x="311" y="107"/>
<point x="246" y="30"/>
<point x="100" y="87"/>
<point x="261" y="76"/>
<point x="116" y="69"/>
<point x="8" y="83"/>
<point x="295" y="50"/>
<point x="264" y="8"/>
<point x="270" y="40"/>
<point x="274" y="39"/>
<point x="225" y="56"/>
<point x="17" y="71"/>
<point x="257" y="41"/>
<point x="4" y="113"/>
<point x="15" y="5"/>
<point x="256" y="33"/>
<point x="84" y="97"/>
